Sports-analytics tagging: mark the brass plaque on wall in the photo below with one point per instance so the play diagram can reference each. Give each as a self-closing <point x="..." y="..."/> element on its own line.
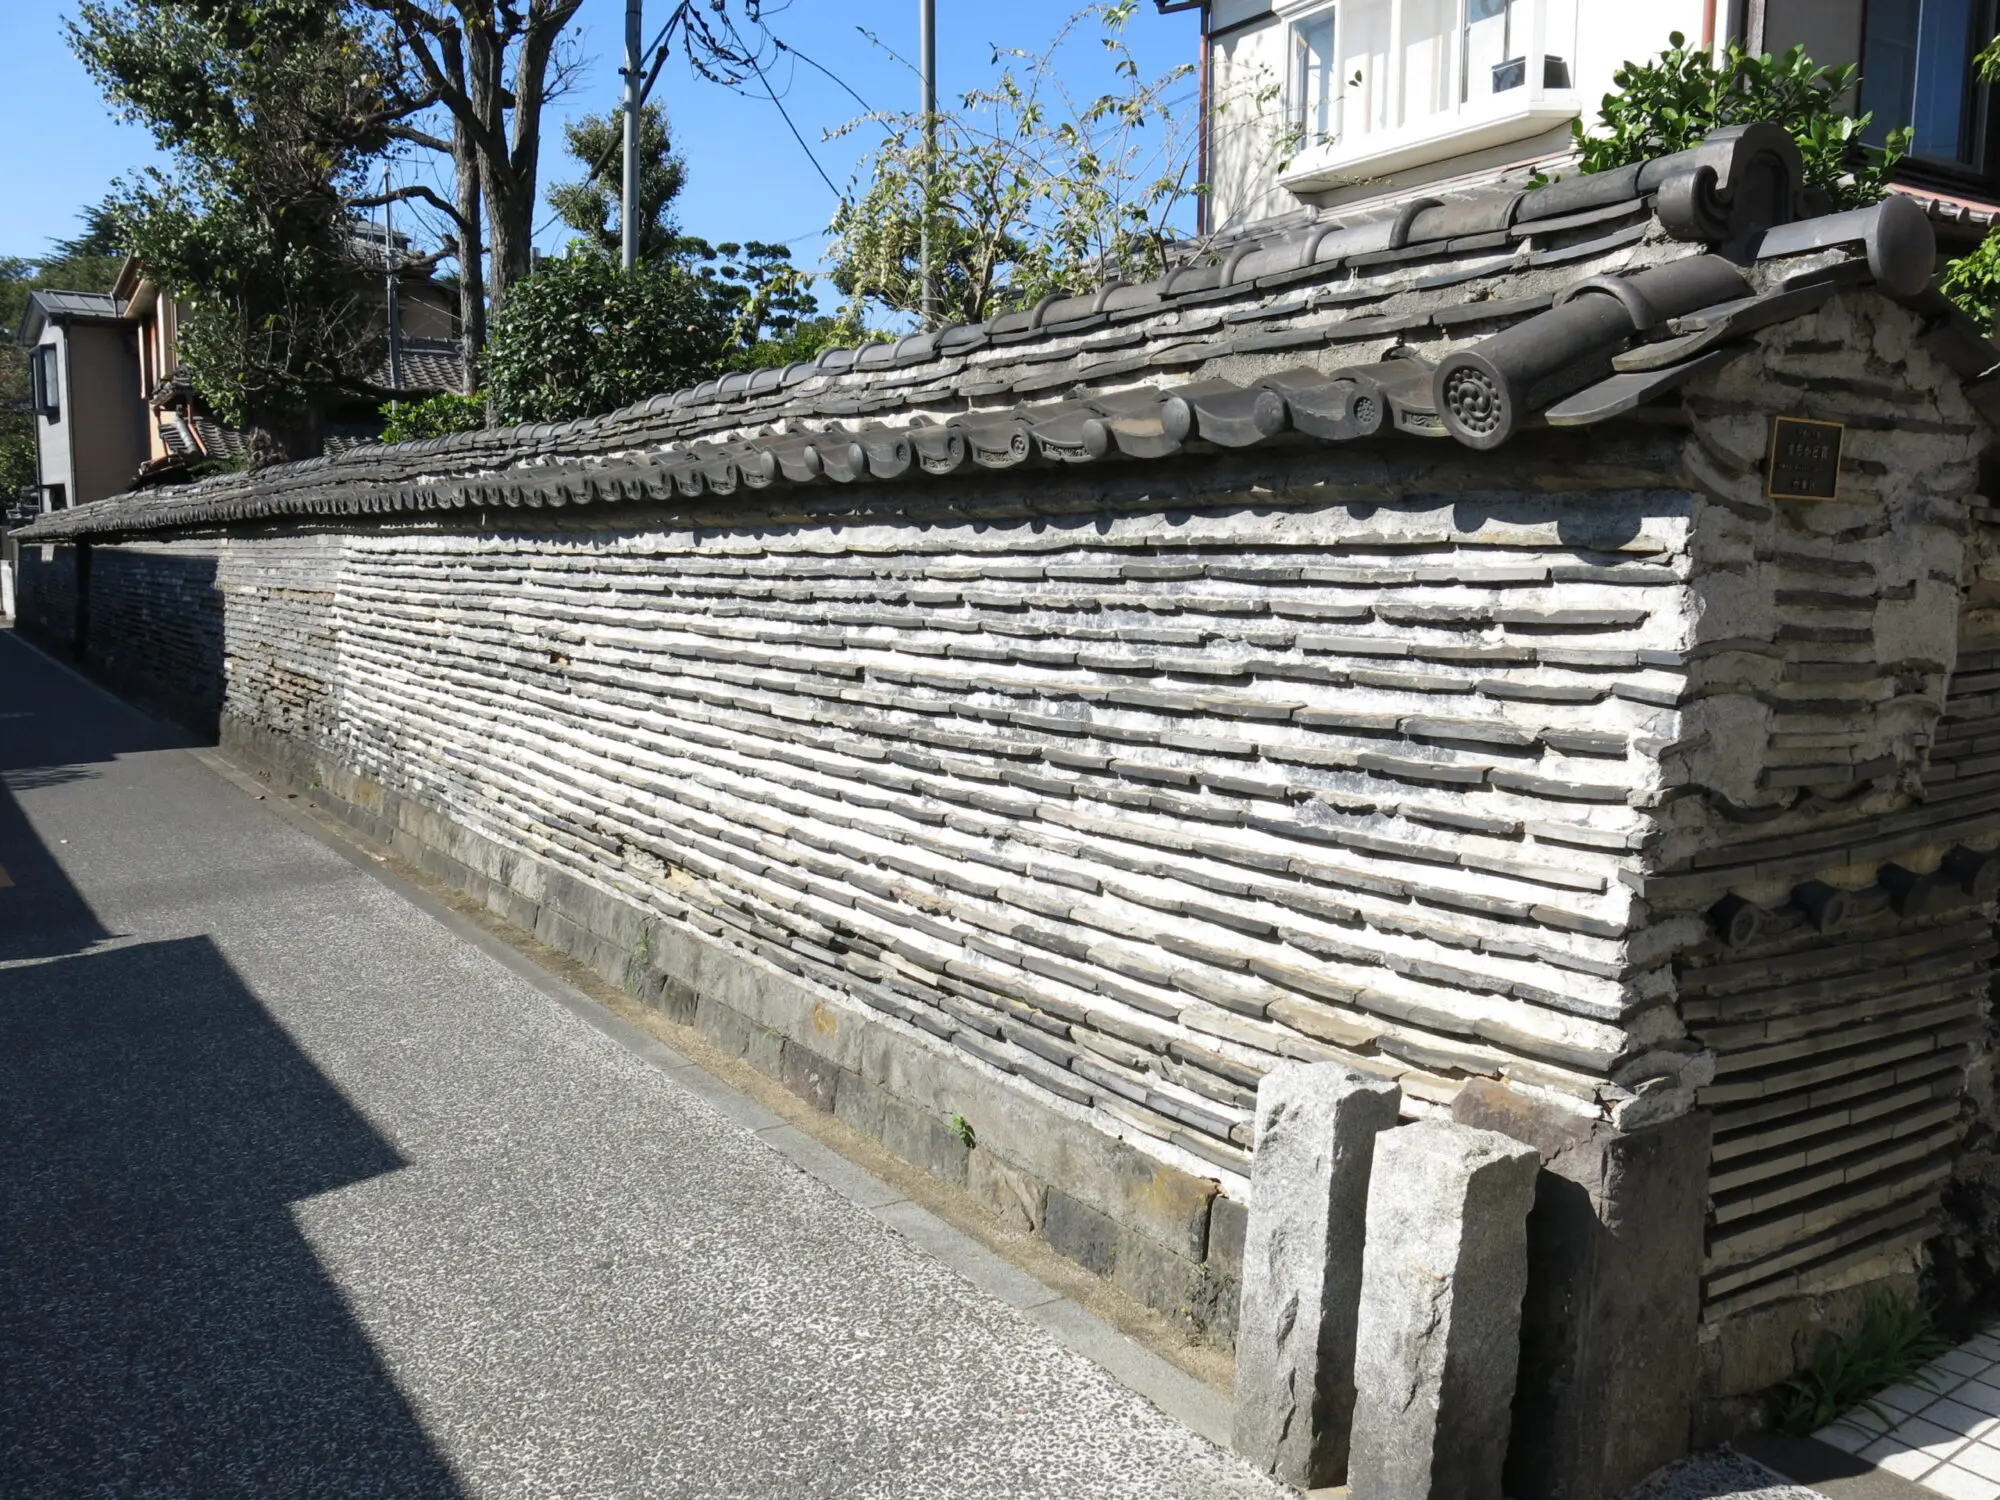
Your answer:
<point x="1805" y="459"/>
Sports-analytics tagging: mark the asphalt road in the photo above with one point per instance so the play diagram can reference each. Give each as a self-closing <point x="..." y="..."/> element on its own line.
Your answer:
<point x="302" y="1194"/>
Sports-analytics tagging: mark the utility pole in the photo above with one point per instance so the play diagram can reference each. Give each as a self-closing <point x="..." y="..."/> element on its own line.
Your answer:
<point x="927" y="56"/>
<point x="391" y="312"/>
<point x="628" y="202"/>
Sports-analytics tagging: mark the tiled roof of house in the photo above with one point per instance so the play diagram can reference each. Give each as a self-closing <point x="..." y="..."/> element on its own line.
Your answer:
<point x="428" y="366"/>
<point x="1951" y="212"/>
<point x="1465" y="316"/>
<point x="47" y="306"/>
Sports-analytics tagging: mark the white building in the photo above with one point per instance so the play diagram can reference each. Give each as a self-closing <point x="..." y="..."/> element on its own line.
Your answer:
<point x="1320" y="103"/>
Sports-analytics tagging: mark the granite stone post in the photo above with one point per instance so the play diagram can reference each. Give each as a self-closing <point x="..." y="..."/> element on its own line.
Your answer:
<point x="1609" y="1326"/>
<point x="1316" y="1130"/>
<point x="1438" y="1336"/>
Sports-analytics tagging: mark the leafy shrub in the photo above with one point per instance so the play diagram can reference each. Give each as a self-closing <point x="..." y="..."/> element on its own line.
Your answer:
<point x="1670" y="104"/>
<point x="435" y="416"/>
<point x="806" y="340"/>
<point x="1973" y="282"/>
<point x="581" y="337"/>
<point x="1893" y="1342"/>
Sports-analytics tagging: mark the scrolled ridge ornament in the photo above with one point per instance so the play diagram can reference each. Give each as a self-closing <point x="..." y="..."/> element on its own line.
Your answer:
<point x="1740" y="180"/>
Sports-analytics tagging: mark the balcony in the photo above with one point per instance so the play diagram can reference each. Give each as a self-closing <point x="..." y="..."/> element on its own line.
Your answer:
<point x="1377" y="86"/>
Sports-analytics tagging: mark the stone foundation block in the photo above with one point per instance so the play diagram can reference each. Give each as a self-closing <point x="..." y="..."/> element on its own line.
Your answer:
<point x="1154" y="1275"/>
<point x="1609" y="1326"/>
<point x="1081" y="1233"/>
<point x="765" y="1051"/>
<point x="1228" y="1220"/>
<point x="723" y="1026"/>
<point x="1017" y="1197"/>
<point x="1301" y="1266"/>
<point x="1438" y="1335"/>
<point x="810" y="1076"/>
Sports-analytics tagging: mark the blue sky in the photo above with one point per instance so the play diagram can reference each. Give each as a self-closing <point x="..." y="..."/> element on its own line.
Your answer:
<point x="748" y="179"/>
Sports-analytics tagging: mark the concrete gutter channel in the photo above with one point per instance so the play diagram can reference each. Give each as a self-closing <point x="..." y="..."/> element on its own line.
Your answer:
<point x="1090" y="1318"/>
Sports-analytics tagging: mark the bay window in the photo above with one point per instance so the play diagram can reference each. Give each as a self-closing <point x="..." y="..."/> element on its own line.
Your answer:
<point x="1391" y="83"/>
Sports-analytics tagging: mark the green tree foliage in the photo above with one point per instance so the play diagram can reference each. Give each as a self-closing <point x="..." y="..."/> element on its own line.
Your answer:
<point x="272" y="110"/>
<point x="766" y="296"/>
<point x="581" y="337"/>
<point x="1671" y="103"/>
<point x="1973" y="280"/>
<point x="434" y="416"/>
<point x="803" y="342"/>
<point x="590" y="206"/>
<point x="1029" y="191"/>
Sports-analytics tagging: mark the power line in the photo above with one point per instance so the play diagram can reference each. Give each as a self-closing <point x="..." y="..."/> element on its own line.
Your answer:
<point x="785" y="114"/>
<point x="662" y="45"/>
<point x="784" y="46"/>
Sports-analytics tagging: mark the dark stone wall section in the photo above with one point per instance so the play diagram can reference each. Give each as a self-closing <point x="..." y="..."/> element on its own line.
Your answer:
<point x="157" y="632"/>
<point x="45" y="596"/>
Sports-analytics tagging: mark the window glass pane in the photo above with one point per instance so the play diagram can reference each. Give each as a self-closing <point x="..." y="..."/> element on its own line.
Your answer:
<point x="1364" y="66"/>
<point x="1944" y="33"/>
<point x="1487" y="45"/>
<point x="1915" y="71"/>
<point x="1427" y="29"/>
<point x="1315" y="87"/>
<point x="1889" y="66"/>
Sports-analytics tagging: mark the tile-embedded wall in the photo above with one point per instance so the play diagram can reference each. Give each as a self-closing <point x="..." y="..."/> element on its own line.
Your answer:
<point x="1117" y="790"/>
<point x="1127" y="807"/>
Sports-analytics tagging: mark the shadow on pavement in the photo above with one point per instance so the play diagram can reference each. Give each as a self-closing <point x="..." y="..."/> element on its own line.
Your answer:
<point x="165" y="1329"/>
<point x="54" y="731"/>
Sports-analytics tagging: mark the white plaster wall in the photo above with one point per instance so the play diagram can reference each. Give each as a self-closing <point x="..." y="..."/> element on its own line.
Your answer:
<point x="1247" y="126"/>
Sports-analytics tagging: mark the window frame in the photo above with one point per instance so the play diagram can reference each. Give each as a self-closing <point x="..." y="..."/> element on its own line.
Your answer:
<point x="1296" y="99"/>
<point x="47" y="374"/>
<point x="1980" y="176"/>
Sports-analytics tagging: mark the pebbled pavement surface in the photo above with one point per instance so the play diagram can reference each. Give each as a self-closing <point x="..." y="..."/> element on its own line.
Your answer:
<point x="302" y="1195"/>
<point x="1720" y="1475"/>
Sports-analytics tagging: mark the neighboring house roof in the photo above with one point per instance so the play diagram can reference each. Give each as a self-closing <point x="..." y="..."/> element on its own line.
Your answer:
<point x="174" y="433"/>
<point x="428" y="367"/>
<point x="1948" y="212"/>
<point x="218" y="441"/>
<point x="1467" y="315"/>
<point x="46" y="307"/>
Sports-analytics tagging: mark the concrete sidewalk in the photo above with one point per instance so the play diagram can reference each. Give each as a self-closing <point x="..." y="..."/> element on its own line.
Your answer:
<point x="306" y="1192"/>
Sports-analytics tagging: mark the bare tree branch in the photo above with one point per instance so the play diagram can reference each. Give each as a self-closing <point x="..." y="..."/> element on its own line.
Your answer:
<point x="415" y="191"/>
